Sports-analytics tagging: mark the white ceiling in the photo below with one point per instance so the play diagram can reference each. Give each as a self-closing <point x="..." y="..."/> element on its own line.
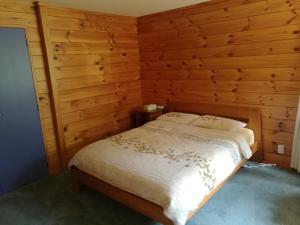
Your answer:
<point x="125" y="7"/>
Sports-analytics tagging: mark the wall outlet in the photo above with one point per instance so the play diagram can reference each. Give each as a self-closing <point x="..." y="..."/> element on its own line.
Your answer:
<point x="280" y="149"/>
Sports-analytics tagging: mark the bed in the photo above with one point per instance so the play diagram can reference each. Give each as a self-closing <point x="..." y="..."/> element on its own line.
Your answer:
<point x="165" y="170"/>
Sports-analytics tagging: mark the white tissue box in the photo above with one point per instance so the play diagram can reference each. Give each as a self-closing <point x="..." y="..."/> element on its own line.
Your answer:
<point x="149" y="108"/>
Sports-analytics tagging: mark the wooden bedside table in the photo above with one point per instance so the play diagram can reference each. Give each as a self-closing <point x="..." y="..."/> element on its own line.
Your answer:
<point x="142" y="117"/>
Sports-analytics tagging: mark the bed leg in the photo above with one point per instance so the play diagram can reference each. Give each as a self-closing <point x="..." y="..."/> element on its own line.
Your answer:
<point x="75" y="181"/>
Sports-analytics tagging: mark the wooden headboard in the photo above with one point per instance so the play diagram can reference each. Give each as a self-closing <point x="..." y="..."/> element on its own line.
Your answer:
<point x="249" y="115"/>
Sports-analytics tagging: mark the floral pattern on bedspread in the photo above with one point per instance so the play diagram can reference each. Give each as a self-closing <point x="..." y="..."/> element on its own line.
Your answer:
<point x="204" y="138"/>
<point x="206" y="170"/>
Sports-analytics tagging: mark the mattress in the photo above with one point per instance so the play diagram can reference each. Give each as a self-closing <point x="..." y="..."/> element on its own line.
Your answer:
<point x="172" y="165"/>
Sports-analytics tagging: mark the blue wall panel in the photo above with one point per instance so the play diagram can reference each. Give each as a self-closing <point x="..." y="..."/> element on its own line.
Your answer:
<point x="22" y="156"/>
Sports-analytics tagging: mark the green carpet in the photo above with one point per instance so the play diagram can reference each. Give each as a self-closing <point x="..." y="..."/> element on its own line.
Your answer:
<point x="258" y="196"/>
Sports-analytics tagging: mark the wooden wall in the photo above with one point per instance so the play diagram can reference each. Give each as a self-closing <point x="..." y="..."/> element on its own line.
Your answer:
<point x="96" y="65"/>
<point x="96" y="72"/>
<point x="244" y="52"/>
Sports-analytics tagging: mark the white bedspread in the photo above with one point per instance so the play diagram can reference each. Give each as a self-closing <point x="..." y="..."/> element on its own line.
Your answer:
<point x="172" y="165"/>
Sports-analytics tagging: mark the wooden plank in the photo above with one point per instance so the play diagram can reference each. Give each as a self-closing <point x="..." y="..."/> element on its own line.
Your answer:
<point x="40" y="75"/>
<point x="16" y="6"/>
<point x="83" y="114"/>
<point x="230" y="10"/>
<point x="70" y="95"/>
<point x="78" y="71"/>
<point x="78" y="36"/>
<point x="42" y="19"/>
<point x="190" y="10"/>
<point x="280" y="160"/>
<point x="75" y="94"/>
<point x="32" y="34"/>
<point x="81" y="48"/>
<point x="287" y="126"/>
<point x="269" y="34"/>
<point x="240" y="86"/>
<point x="225" y="97"/>
<point x="88" y="123"/>
<point x="16" y="19"/>
<point x="271" y="147"/>
<point x="77" y="60"/>
<point x="89" y="81"/>
<point x="279" y="112"/>
<point x="65" y="12"/>
<point x="84" y="103"/>
<point x="35" y="48"/>
<point x="228" y="24"/>
<point x="71" y="23"/>
<point x="251" y="49"/>
<point x="282" y="60"/>
<point x="37" y="62"/>
<point x="224" y="39"/>
<point x="277" y="136"/>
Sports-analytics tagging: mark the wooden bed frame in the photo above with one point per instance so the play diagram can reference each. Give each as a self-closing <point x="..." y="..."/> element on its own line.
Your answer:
<point x="147" y="208"/>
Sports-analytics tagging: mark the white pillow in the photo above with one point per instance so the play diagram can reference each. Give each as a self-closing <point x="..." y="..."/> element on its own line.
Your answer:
<point x="215" y="122"/>
<point x="178" y="117"/>
<point x="248" y="134"/>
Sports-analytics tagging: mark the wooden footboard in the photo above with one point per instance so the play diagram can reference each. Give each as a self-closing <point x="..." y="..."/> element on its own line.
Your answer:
<point x="134" y="202"/>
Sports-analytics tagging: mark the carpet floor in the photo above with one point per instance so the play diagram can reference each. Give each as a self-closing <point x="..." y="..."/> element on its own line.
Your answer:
<point x="256" y="196"/>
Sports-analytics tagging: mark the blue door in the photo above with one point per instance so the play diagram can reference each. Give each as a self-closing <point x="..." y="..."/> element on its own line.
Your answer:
<point x="22" y="156"/>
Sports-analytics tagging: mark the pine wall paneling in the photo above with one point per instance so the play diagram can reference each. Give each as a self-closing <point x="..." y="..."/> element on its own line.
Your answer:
<point x="243" y="52"/>
<point x="229" y="52"/>
<point x="96" y="66"/>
